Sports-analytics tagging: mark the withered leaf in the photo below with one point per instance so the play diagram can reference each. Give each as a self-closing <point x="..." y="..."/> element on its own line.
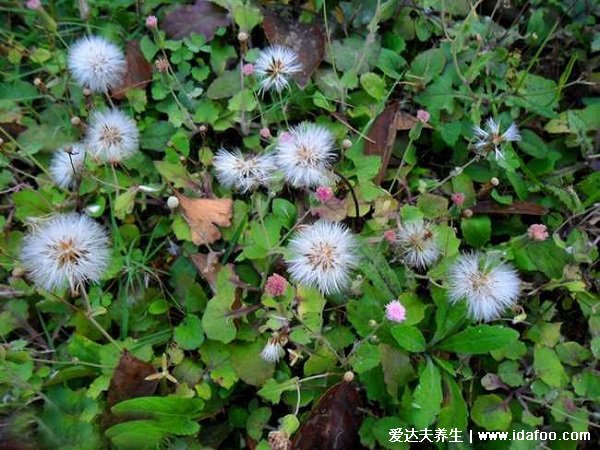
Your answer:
<point x="518" y="207"/>
<point x="139" y="71"/>
<point x="405" y="121"/>
<point x="129" y="381"/>
<point x="382" y="136"/>
<point x="333" y="210"/>
<point x="334" y="422"/>
<point x="13" y="129"/>
<point x="208" y="267"/>
<point x="203" y="215"/>
<point x="307" y="40"/>
<point x="203" y="17"/>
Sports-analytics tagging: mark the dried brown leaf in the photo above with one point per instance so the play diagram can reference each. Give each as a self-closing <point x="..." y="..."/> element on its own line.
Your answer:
<point x="129" y="380"/>
<point x="518" y="207"/>
<point x="405" y="121"/>
<point x="307" y="40"/>
<point x="203" y="17"/>
<point x="13" y="129"/>
<point x="204" y="214"/>
<point x="208" y="267"/>
<point x="333" y="210"/>
<point x="333" y="422"/>
<point x="139" y="71"/>
<point x="382" y="135"/>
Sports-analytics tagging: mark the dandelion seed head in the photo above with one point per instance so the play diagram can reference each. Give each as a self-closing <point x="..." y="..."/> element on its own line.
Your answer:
<point x="417" y="244"/>
<point x="112" y="136"/>
<point x="65" y="250"/>
<point x="274" y="67"/>
<point x="306" y="156"/>
<point x="67" y="163"/>
<point x="96" y="63"/>
<point x="243" y="172"/>
<point x="488" y="285"/>
<point x="322" y="255"/>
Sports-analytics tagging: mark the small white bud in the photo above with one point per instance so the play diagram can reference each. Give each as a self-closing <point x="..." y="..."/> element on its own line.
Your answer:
<point x="172" y="202"/>
<point x="242" y="36"/>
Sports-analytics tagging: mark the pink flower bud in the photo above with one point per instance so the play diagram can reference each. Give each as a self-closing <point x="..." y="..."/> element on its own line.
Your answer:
<point x="423" y="115"/>
<point x="324" y="193"/>
<point x="538" y="232"/>
<point x="390" y="236"/>
<point x="458" y="198"/>
<point x="395" y="311"/>
<point x="286" y="137"/>
<point x="33" y="4"/>
<point x="275" y="285"/>
<point x="247" y="69"/>
<point x="151" y="22"/>
<point x="265" y="133"/>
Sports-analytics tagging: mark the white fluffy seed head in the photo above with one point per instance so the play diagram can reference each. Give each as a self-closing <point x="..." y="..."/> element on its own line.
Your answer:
<point x="65" y="250"/>
<point x="112" y="136"/>
<point x="275" y="65"/>
<point x="488" y="285"/>
<point x="417" y="243"/>
<point x="489" y="136"/>
<point x="305" y="155"/>
<point x="96" y="63"/>
<point x="243" y="172"/>
<point x="322" y="256"/>
<point x="67" y="163"/>
<point x="272" y="351"/>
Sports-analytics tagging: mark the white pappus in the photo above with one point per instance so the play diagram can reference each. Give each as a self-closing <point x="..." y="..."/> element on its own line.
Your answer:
<point x="490" y="136"/>
<point x="322" y="255"/>
<point x="96" y="63"/>
<point x="305" y="155"/>
<point x="274" y="66"/>
<point x="112" y="136"/>
<point x="65" y="250"/>
<point x="243" y="172"/>
<point x="488" y="285"/>
<point x="67" y="163"/>
<point x="417" y="243"/>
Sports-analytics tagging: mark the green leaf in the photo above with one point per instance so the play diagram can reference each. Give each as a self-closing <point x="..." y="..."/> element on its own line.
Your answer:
<point x="432" y="206"/>
<point x="427" y="65"/>
<point x="174" y="173"/>
<point x="247" y="16"/>
<point x="374" y="85"/>
<point x="248" y="364"/>
<point x="532" y="144"/>
<point x="476" y="230"/>
<point x="272" y="390"/>
<point x="480" y="339"/>
<point x="427" y="398"/>
<point x="225" y="86"/>
<point x="548" y="258"/>
<point x="365" y="357"/>
<point x="547" y="366"/>
<point x="125" y="202"/>
<point x="160" y="406"/>
<point x="409" y="338"/>
<point x="454" y="413"/>
<point x="216" y="321"/>
<point x="490" y="412"/>
<point x="188" y="334"/>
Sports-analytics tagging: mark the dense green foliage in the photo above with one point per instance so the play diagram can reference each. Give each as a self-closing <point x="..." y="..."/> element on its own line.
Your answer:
<point x="196" y="317"/>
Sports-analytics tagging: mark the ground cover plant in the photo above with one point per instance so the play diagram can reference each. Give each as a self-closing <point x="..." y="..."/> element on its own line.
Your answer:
<point x="321" y="224"/>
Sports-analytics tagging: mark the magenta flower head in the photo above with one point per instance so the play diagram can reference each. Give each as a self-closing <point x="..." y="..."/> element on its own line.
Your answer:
<point x="324" y="193"/>
<point x="395" y="311"/>
<point x="390" y="236"/>
<point x="458" y="198"/>
<point x="151" y="22"/>
<point x="538" y="232"/>
<point x="247" y="69"/>
<point x="265" y="133"/>
<point x="276" y="285"/>
<point x="423" y="116"/>
<point x="33" y="4"/>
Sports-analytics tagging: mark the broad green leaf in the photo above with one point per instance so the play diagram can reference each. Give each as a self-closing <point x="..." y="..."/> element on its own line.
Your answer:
<point x="189" y="334"/>
<point x="248" y="364"/>
<point x="480" y="339"/>
<point x="491" y="412"/>
<point x="427" y="398"/>
<point x="454" y="413"/>
<point x="476" y="230"/>
<point x="272" y="390"/>
<point x="547" y="366"/>
<point x="217" y="323"/>
<point x="374" y="85"/>
<point x="409" y="338"/>
<point x="365" y="357"/>
<point x="125" y="202"/>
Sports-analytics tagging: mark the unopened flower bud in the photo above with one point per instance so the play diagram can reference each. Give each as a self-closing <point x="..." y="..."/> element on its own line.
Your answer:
<point x="495" y="181"/>
<point x="349" y="377"/>
<point x="172" y="202"/>
<point x="203" y="128"/>
<point x="467" y="213"/>
<point x="87" y="92"/>
<point x="242" y="36"/>
<point x="75" y="121"/>
<point x="346" y="144"/>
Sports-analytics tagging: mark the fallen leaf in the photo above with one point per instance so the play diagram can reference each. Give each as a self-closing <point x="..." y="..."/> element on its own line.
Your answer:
<point x="333" y="210"/>
<point x="139" y="71"/>
<point x="129" y="381"/>
<point x="203" y="214"/>
<point x="518" y="207"/>
<point x="13" y="129"/>
<point x="203" y="17"/>
<point x="208" y="267"/>
<point x="382" y="135"/>
<point x="307" y="40"/>
<point x="333" y="422"/>
<point x="405" y="121"/>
